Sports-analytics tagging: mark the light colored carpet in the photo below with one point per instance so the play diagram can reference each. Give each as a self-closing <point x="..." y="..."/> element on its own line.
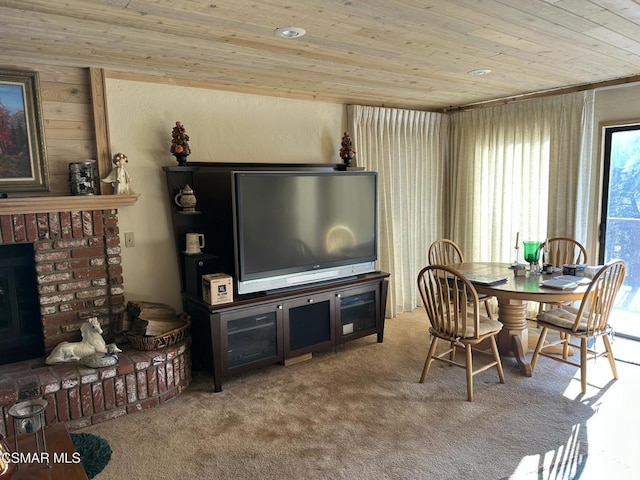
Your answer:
<point x="360" y="413"/>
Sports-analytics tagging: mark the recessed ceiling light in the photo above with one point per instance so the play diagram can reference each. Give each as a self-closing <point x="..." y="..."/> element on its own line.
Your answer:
<point x="289" y="32"/>
<point x="479" y="72"/>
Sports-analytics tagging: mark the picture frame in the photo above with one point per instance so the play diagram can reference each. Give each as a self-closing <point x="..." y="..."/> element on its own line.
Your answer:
<point x="23" y="163"/>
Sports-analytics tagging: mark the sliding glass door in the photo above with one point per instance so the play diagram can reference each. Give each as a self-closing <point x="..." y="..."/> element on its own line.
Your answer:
<point x="620" y="227"/>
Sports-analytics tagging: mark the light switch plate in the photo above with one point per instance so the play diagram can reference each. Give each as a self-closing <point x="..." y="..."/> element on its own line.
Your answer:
<point x="129" y="239"/>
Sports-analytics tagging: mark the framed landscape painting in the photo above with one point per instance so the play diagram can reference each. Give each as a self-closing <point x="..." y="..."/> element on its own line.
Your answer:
<point x="23" y="165"/>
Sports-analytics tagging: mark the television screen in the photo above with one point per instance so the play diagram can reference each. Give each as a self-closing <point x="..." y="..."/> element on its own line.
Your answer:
<point x="294" y="228"/>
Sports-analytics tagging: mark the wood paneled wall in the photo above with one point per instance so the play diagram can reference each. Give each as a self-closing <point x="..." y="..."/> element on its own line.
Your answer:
<point x="67" y="113"/>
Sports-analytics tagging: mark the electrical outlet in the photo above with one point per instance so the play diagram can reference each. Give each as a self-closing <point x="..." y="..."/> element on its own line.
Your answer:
<point x="129" y="239"/>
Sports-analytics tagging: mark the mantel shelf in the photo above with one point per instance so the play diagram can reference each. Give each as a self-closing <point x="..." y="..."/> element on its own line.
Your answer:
<point x="13" y="206"/>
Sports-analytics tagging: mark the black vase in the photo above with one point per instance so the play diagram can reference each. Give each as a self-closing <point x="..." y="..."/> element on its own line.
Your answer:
<point x="181" y="158"/>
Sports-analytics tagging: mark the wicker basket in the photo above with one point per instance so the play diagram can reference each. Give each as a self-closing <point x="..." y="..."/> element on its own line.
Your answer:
<point x="147" y="342"/>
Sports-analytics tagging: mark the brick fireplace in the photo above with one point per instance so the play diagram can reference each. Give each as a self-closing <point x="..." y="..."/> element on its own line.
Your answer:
<point x="77" y="260"/>
<point x="78" y="267"/>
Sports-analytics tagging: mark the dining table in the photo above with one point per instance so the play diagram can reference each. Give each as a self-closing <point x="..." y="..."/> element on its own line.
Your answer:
<point x="513" y="292"/>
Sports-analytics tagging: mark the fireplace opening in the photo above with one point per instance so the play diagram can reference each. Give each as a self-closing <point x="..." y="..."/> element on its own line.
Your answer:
<point x="21" y="334"/>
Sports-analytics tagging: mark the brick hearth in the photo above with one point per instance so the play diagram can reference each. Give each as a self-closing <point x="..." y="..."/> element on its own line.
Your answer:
<point x="78" y="265"/>
<point x="81" y="396"/>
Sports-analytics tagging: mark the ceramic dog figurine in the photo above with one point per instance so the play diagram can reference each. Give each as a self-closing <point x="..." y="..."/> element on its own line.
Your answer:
<point x="92" y="342"/>
<point x="98" y="360"/>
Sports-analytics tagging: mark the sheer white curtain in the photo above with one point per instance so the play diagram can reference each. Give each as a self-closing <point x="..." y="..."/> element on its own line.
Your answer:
<point x="407" y="148"/>
<point x="518" y="168"/>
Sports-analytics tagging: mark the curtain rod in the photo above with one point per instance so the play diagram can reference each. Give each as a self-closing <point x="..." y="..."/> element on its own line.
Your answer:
<point x="545" y="93"/>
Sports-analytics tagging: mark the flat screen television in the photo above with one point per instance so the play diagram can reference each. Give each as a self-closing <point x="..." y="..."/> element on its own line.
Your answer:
<point x="296" y="228"/>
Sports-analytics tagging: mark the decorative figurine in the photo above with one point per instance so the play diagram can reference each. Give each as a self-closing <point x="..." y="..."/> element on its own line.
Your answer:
<point x="98" y="360"/>
<point x="119" y="178"/>
<point x="91" y="343"/>
<point x="347" y="152"/>
<point x="180" y="143"/>
<point x="186" y="199"/>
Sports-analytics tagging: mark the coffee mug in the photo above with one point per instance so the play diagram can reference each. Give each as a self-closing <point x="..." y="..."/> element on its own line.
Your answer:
<point x="195" y="243"/>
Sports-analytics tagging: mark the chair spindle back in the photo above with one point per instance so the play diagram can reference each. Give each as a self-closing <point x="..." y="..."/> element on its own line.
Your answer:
<point x="450" y="301"/>
<point x="600" y="297"/>
<point x="563" y="250"/>
<point x="444" y="252"/>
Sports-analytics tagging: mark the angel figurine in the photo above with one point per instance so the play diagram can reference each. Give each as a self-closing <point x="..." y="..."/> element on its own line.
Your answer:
<point x="119" y="178"/>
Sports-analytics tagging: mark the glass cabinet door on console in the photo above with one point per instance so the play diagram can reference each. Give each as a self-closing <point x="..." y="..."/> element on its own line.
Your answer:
<point x="307" y="324"/>
<point x="357" y="312"/>
<point x="251" y="336"/>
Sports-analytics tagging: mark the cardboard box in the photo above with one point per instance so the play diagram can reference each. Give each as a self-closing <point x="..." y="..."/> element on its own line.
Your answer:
<point x="217" y="288"/>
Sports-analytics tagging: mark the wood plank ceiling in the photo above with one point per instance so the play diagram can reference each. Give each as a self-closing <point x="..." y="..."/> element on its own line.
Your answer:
<point x="408" y="54"/>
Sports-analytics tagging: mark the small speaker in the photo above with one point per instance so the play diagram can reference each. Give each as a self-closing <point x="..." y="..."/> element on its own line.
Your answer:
<point x="194" y="267"/>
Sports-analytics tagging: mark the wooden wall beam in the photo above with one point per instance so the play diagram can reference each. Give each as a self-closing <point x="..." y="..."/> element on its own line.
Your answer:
<point x="101" y="125"/>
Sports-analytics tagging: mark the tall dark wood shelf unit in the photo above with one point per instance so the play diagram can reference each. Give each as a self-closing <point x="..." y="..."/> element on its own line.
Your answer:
<point x="261" y="329"/>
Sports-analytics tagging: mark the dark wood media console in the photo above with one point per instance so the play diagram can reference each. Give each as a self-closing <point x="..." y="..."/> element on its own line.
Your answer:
<point x="253" y="332"/>
<point x="263" y="328"/>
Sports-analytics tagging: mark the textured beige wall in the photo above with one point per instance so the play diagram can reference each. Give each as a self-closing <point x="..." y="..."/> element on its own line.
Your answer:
<point x="223" y="127"/>
<point x="618" y="103"/>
